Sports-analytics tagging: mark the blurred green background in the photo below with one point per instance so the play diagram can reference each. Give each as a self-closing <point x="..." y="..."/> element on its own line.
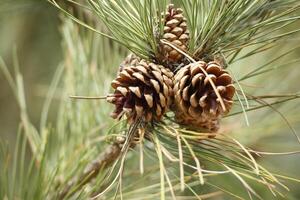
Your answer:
<point x="31" y="26"/>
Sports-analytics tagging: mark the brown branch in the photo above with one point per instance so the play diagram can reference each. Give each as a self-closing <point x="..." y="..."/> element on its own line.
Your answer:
<point x="105" y="159"/>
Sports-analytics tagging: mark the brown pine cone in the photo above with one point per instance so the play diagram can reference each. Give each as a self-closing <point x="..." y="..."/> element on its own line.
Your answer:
<point x="130" y="60"/>
<point x="142" y="91"/>
<point x="196" y="103"/>
<point x="175" y="32"/>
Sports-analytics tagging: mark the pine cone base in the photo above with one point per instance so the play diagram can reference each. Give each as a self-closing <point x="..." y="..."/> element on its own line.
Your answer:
<point x="207" y="124"/>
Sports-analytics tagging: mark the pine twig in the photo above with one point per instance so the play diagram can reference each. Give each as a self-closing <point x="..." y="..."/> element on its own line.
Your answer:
<point x="105" y="159"/>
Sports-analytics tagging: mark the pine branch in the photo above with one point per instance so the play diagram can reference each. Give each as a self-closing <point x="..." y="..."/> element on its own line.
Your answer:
<point x="105" y="159"/>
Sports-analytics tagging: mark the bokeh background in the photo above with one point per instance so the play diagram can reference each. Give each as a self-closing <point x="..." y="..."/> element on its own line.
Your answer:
<point x="32" y="27"/>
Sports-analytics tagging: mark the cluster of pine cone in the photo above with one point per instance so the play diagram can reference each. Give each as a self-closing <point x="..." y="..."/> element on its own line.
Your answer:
<point x="198" y="93"/>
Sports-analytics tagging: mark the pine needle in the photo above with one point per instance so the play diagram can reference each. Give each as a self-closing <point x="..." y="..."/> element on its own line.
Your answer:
<point x="162" y="180"/>
<point x="87" y="98"/>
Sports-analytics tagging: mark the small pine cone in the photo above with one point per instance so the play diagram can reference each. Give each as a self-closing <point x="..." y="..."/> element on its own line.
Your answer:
<point x="196" y="102"/>
<point x="130" y="60"/>
<point x="175" y="32"/>
<point x="142" y="91"/>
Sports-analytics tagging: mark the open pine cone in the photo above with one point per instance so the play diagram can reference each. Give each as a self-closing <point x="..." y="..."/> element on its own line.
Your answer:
<point x="142" y="91"/>
<point x="130" y="60"/>
<point x="196" y="103"/>
<point x="175" y="32"/>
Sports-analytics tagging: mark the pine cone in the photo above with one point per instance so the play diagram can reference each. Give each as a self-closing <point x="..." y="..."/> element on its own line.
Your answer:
<point x="142" y="91"/>
<point x="130" y="60"/>
<point x="175" y="32"/>
<point x="196" y="102"/>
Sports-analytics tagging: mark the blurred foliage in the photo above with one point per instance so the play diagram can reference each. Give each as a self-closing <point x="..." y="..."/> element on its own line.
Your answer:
<point x="32" y="27"/>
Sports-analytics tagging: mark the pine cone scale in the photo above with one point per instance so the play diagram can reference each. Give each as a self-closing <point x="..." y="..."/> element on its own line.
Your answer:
<point x="167" y="90"/>
<point x="163" y="100"/>
<point x="177" y="31"/>
<point x="136" y="91"/>
<point x="122" y="90"/>
<point x="230" y="91"/>
<point x="224" y="79"/>
<point x="169" y="36"/>
<point x="149" y="100"/>
<point x="193" y="100"/>
<point x="173" y="23"/>
<point x="156" y="85"/>
<point x="140" y="77"/>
